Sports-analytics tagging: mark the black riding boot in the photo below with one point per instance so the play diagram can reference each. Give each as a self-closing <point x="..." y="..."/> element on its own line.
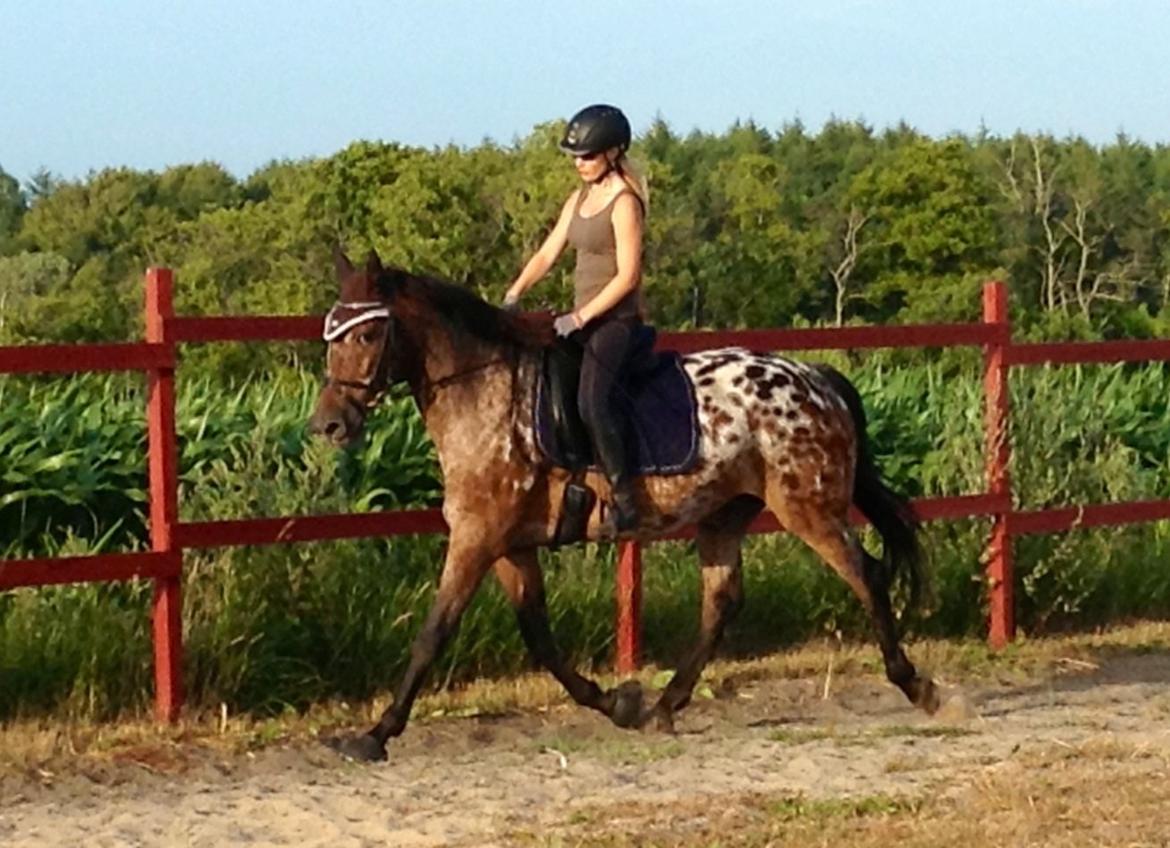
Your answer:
<point x="610" y="448"/>
<point x="564" y="377"/>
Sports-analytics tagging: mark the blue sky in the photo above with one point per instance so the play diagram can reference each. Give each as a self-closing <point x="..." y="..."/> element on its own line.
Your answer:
<point x="88" y="85"/>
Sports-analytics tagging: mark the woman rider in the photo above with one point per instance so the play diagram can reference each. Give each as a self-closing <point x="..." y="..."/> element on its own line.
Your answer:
<point x="603" y="222"/>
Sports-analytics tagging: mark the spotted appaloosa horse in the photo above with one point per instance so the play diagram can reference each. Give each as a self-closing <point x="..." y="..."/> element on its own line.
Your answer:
<point x="774" y="433"/>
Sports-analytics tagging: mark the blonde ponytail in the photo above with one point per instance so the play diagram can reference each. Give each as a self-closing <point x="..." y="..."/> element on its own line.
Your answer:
<point x="634" y="176"/>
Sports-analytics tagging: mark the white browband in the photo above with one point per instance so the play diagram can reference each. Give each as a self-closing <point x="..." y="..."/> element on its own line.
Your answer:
<point x="337" y="325"/>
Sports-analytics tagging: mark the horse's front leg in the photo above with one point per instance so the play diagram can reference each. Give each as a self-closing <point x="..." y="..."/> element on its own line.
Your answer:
<point x="466" y="564"/>
<point x="519" y="573"/>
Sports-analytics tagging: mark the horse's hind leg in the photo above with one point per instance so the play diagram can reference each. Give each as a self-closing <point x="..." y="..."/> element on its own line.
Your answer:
<point x="519" y="574"/>
<point x="825" y="528"/>
<point x="718" y="543"/>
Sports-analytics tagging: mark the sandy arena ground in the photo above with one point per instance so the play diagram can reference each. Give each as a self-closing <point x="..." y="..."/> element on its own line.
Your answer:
<point x="562" y="776"/>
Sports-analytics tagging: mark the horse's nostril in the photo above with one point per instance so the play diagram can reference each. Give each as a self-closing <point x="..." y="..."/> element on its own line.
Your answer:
<point x="327" y="425"/>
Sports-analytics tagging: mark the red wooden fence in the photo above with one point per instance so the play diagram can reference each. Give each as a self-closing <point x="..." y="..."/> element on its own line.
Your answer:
<point x="169" y="536"/>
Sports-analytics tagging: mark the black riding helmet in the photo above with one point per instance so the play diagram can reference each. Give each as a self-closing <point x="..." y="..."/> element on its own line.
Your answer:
<point x="596" y="129"/>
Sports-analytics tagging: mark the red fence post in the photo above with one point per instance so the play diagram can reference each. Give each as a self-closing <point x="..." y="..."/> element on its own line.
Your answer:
<point x="1000" y="575"/>
<point x="629" y="607"/>
<point x="164" y="500"/>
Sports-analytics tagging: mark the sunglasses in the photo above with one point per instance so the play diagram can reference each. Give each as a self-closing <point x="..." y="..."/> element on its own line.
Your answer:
<point x="587" y="157"/>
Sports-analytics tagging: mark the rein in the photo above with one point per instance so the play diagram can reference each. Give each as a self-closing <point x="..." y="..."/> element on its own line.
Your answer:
<point x="431" y="387"/>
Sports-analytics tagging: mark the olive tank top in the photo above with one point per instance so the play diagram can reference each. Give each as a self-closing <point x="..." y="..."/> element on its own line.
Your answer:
<point x="596" y="248"/>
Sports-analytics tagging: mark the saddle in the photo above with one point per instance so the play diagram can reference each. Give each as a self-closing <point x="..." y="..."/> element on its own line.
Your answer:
<point x="653" y="399"/>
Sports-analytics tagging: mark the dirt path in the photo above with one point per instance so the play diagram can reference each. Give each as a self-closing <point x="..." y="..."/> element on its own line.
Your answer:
<point x="555" y="778"/>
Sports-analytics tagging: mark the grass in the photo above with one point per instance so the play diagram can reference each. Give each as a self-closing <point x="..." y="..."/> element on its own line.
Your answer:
<point x="1072" y="808"/>
<point x="1096" y="794"/>
<point x="844" y="736"/>
<point x="823" y="810"/>
<point x="923" y="731"/>
<point x="803" y="735"/>
<point x="625" y="750"/>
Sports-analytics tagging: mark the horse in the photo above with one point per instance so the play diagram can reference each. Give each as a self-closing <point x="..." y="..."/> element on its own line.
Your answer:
<point x="773" y="433"/>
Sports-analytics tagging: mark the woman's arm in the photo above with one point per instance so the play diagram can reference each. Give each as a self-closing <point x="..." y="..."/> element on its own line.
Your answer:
<point x="627" y="233"/>
<point x="549" y="252"/>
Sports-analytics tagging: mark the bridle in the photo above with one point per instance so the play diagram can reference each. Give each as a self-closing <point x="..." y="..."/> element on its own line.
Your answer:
<point x="344" y="316"/>
<point x="340" y="320"/>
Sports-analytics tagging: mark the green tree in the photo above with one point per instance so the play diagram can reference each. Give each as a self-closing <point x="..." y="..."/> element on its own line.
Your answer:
<point x="12" y="209"/>
<point x="190" y="190"/>
<point x="933" y="232"/>
<point x="755" y="246"/>
<point x="830" y="225"/>
<point x="746" y="227"/>
<point x="25" y="279"/>
<point x="101" y="215"/>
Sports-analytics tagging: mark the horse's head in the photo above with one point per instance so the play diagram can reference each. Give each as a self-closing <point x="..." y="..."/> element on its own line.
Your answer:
<point x="359" y="330"/>
<point x="388" y="325"/>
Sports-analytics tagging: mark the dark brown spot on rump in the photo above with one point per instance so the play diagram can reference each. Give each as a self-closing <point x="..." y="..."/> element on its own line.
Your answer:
<point x="714" y="365"/>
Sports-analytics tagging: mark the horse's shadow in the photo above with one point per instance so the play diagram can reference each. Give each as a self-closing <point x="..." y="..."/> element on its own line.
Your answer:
<point x="1109" y="674"/>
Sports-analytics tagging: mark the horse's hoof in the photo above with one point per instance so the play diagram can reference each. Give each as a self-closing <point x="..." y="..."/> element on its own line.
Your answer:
<point x="364" y="748"/>
<point x="957" y="709"/>
<point x="627" y="705"/>
<point x="663" y="718"/>
<point x="926" y="697"/>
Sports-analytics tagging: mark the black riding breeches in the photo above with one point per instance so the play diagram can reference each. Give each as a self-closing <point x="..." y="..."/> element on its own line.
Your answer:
<point x="607" y="345"/>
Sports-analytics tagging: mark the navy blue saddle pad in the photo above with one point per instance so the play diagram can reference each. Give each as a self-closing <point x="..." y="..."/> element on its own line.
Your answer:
<point x="656" y="402"/>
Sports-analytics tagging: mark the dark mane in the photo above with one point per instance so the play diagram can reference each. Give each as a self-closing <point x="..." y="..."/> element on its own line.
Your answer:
<point x="459" y="307"/>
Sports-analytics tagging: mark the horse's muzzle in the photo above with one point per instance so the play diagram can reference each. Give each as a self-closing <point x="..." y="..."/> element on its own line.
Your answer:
<point x="336" y="419"/>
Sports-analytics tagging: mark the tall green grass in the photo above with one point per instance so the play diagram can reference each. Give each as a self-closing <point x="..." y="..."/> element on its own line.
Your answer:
<point x="73" y="458"/>
<point x="272" y="627"/>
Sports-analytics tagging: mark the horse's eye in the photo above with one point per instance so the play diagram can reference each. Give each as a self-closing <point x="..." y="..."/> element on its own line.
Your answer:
<point x="366" y="338"/>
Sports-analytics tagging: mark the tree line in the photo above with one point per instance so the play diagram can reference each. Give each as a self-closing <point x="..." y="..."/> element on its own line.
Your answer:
<point x="748" y="227"/>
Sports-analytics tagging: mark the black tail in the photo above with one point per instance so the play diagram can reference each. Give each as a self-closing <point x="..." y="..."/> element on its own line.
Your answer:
<point x="889" y="512"/>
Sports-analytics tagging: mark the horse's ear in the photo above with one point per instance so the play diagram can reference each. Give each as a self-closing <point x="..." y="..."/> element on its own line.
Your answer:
<point x="373" y="263"/>
<point x="341" y="262"/>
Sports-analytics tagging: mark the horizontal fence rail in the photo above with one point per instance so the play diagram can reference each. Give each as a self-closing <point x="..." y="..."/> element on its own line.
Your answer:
<point x="257" y="329"/>
<point x="1088" y="353"/>
<point x="68" y="359"/>
<point x="837" y="338"/>
<point x="87" y="569"/>
<point x="156" y="358"/>
<point x="309" y="528"/>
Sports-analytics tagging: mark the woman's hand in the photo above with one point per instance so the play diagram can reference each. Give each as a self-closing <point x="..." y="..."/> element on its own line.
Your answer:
<point x="566" y="324"/>
<point x="511" y="303"/>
